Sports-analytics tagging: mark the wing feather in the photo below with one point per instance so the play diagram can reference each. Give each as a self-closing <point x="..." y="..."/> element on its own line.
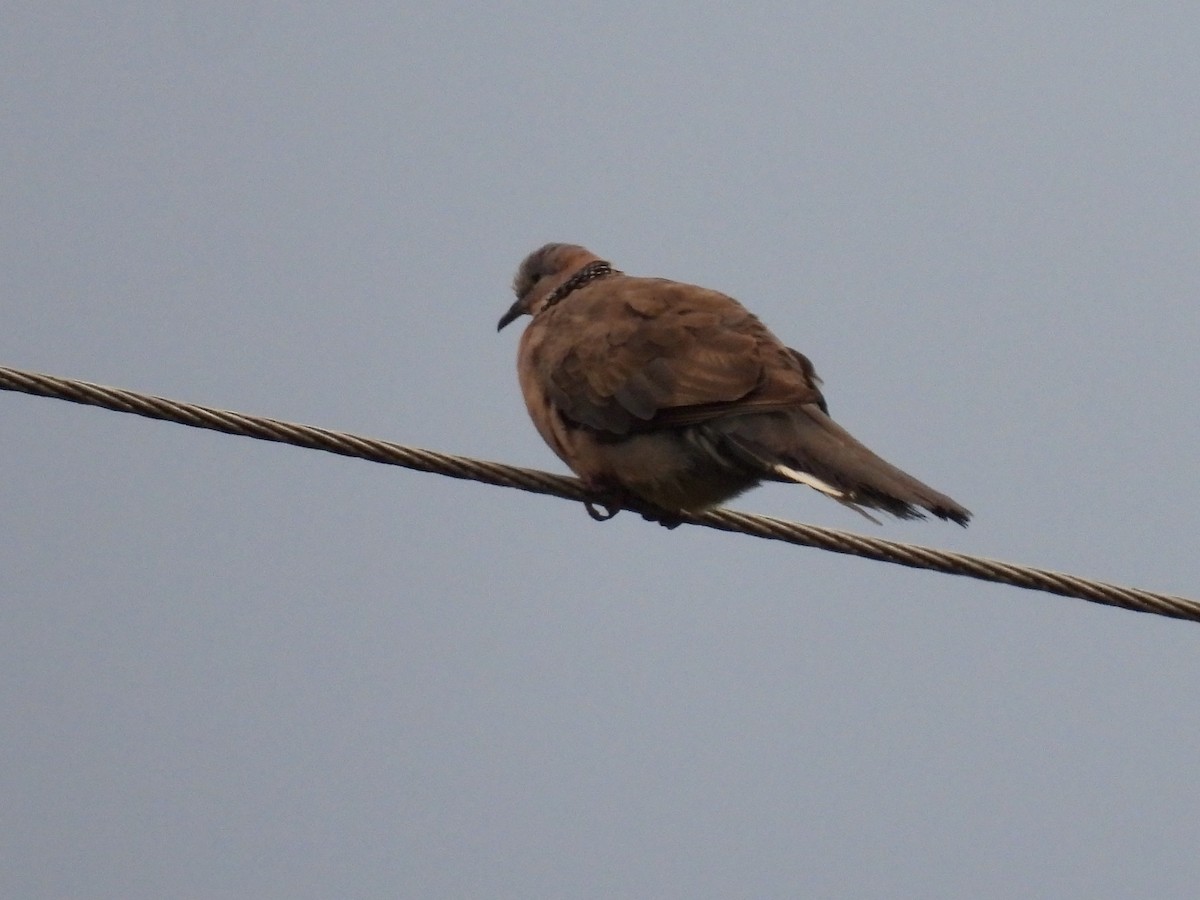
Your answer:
<point x="633" y="354"/>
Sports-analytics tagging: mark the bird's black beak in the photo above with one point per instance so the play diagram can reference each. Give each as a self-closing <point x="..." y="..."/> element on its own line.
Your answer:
<point x="514" y="312"/>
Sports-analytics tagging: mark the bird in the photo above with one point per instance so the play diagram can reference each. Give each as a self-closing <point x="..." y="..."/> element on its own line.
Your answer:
<point x="670" y="398"/>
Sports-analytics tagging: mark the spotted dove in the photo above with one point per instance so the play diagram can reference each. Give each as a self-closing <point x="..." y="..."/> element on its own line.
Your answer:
<point x="678" y="398"/>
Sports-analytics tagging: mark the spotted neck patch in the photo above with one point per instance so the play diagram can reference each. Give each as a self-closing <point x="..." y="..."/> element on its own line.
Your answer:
<point x="591" y="272"/>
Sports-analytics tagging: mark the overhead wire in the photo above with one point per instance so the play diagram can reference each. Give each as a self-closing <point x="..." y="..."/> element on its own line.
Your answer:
<point x="503" y="475"/>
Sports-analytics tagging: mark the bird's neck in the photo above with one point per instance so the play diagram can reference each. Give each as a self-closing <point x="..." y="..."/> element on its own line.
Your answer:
<point x="591" y="272"/>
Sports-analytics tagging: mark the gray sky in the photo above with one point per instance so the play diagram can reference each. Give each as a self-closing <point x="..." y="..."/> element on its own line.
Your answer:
<point x="233" y="669"/>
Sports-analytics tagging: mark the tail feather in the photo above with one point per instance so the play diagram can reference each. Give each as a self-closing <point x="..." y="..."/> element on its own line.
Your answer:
<point x="812" y="481"/>
<point x="804" y="445"/>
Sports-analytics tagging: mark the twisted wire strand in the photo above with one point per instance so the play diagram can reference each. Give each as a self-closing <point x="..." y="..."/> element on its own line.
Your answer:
<point x="487" y="472"/>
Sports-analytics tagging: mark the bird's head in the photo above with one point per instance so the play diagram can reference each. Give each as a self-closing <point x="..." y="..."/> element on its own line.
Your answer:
<point x="544" y="274"/>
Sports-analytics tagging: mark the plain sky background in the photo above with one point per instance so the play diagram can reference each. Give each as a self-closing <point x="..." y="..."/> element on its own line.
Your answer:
<point x="232" y="669"/>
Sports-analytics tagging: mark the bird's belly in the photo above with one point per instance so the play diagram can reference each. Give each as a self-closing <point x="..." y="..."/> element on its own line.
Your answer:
<point x="668" y="470"/>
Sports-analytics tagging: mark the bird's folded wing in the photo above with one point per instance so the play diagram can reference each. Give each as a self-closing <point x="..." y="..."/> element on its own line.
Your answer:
<point x="636" y="354"/>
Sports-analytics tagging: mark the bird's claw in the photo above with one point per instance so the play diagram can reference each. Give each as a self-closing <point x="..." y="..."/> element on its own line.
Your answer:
<point x="610" y="509"/>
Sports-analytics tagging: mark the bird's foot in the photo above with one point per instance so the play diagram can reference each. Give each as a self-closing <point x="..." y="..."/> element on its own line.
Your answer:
<point x="668" y="520"/>
<point x="610" y="509"/>
<point x="608" y="500"/>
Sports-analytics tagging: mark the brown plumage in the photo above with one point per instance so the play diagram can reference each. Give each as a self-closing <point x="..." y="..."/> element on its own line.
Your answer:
<point x="677" y="395"/>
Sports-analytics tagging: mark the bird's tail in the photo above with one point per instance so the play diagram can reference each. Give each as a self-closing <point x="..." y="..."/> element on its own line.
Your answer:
<point x="805" y="446"/>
